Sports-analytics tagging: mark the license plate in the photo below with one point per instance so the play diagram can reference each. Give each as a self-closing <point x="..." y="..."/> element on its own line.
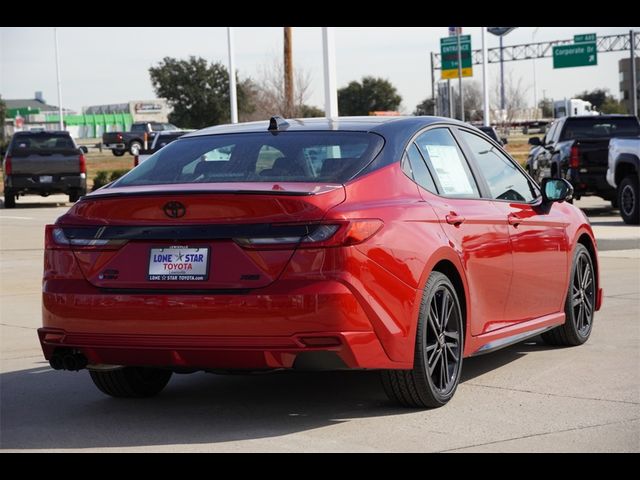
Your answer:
<point x="178" y="264"/>
<point x="46" y="178"/>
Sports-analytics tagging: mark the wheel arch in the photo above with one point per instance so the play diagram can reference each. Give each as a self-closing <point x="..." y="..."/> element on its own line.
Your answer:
<point x="626" y="164"/>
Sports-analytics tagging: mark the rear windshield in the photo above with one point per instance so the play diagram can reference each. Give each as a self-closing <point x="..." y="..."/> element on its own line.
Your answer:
<point x="331" y="157"/>
<point x="595" y="127"/>
<point x="41" y="142"/>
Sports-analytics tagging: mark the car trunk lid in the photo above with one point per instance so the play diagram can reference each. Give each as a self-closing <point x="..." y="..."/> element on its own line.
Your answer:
<point x="163" y="225"/>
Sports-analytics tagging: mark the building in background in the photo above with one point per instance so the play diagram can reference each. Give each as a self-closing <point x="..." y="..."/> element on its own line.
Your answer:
<point x="624" y="69"/>
<point x="36" y="114"/>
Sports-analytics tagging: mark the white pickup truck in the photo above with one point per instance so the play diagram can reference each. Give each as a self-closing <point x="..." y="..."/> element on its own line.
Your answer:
<point x="623" y="173"/>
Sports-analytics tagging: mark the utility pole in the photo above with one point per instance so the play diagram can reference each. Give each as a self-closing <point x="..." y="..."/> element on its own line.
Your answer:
<point x="486" y="121"/>
<point x="458" y="32"/>
<point x="634" y="80"/>
<point x="60" y="114"/>
<point x="330" y="88"/>
<point x="288" y="73"/>
<point x="501" y="77"/>
<point x="233" y="98"/>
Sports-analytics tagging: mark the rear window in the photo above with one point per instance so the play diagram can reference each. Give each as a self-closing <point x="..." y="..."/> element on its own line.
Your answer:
<point x="331" y="157"/>
<point x="40" y="142"/>
<point x="596" y="127"/>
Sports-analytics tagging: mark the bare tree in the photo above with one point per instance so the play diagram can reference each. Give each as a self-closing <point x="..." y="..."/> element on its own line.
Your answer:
<point x="472" y="100"/>
<point x="514" y="99"/>
<point x="268" y="96"/>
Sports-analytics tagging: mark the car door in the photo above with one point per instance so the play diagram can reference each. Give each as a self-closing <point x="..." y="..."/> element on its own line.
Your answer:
<point x="474" y="226"/>
<point x="538" y="233"/>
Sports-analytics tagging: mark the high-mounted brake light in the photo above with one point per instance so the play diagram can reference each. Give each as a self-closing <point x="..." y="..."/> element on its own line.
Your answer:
<point x="7" y="165"/>
<point x="330" y="234"/>
<point x="55" y="238"/>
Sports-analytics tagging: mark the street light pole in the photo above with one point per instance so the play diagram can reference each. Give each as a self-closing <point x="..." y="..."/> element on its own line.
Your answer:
<point x="634" y="81"/>
<point x="458" y="32"/>
<point x="233" y="97"/>
<point x="60" y="114"/>
<point x="486" y="121"/>
<point x="330" y="87"/>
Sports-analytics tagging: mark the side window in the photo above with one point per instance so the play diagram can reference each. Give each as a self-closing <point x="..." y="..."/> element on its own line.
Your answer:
<point x="505" y="180"/>
<point x="452" y="174"/>
<point x="420" y="171"/>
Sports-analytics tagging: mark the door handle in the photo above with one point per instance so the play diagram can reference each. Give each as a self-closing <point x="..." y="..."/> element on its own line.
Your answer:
<point x="513" y="219"/>
<point x="454" y="219"/>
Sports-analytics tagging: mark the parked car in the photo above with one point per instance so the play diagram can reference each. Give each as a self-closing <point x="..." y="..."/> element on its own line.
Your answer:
<point x="401" y="244"/>
<point x="134" y="140"/>
<point x="623" y="174"/>
<point x="491" y="132"/>
<point x="576" y="148"/>
<point x="42" y="163"/>
<point x="160" y="140"/>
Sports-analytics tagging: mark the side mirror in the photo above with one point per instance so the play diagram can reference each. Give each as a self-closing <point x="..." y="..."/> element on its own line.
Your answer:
<point x="535" y="141"/>
<point x="83" y="149"/>
<point x="556" y="190"/>
<point x="504" y="140"/>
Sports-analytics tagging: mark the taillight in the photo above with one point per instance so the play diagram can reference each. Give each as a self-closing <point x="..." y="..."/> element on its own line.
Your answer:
<point x="55" y="239"/>
<point x="330" y="234"/>
<point x="83" y="163"/>
<point x="7" y="165"/>
<point x="136" y="161"/>
<point x="119" y="136"/>
<point x="574" y="157"/>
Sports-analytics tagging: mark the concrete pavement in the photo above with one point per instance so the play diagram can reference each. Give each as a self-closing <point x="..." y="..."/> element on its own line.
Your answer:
<point x="529" y="397"/>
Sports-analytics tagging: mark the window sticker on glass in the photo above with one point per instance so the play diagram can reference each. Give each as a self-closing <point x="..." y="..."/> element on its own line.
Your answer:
<point x="446" y="161"/>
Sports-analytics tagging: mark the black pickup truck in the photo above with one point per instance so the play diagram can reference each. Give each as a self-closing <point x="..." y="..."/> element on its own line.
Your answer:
<point x="576" y="148"/>
<point x="133" y="141"/>
<point x="43" y="163"/>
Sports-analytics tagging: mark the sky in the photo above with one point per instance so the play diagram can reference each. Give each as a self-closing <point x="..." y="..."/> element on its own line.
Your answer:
<point x="101" y="65"/>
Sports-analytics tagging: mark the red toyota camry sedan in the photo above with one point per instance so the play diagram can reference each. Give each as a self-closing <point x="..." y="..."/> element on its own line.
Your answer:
<point x="401" y="244"/>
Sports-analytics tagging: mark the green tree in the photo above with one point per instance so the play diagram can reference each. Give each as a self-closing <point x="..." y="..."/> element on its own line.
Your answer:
<point x="596" y="97"/>
<point x="373" y="94"/>
<point x="306" y="111"/>
<point x="197" y="90"/>
<point x="425" y="107"/>
<point x="611" y="105"/>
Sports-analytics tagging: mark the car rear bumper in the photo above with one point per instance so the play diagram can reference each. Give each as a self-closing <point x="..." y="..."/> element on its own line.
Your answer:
<point x="62" y="183"/>
<point x="585" y="184"/>
<point x="114" y="146"/>
<point x="270" y="329"/>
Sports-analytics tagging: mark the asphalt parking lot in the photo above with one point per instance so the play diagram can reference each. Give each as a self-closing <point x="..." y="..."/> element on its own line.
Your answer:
<point x="529" y="397"/>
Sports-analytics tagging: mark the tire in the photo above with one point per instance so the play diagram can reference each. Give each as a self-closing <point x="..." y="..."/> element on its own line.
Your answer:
<point x="118" y="153"/>
<point x="135" y="147"/>
<point x="74" y="196"/>
<point x="628" y="200"/>
<point x="131" y="382"/>
<point x="9" y="199"/>
<point x="430" y="384"/>
<point x="579" y="305"/>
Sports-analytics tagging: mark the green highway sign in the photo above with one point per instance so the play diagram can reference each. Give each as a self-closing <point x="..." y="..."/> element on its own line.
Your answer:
<point x="585" y="37"/>
<point x="576" y="55"/>
<point x="449" y="56"/>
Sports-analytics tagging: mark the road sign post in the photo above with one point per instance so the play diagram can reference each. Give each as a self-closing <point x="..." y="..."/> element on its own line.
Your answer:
<point x="576" y="55"/>
<point x="449" y="56"/>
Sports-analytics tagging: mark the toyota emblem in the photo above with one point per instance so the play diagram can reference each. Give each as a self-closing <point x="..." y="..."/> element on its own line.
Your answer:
<point x="174" y="209"/>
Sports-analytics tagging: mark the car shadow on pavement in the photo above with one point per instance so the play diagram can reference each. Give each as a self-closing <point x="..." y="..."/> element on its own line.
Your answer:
<point x="44" y="409"/>
<point x="26" y="204"/>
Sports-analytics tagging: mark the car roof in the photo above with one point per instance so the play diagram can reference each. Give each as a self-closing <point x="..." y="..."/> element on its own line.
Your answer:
<point x="41" y="132"/>
<point x="382" y="124"/>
